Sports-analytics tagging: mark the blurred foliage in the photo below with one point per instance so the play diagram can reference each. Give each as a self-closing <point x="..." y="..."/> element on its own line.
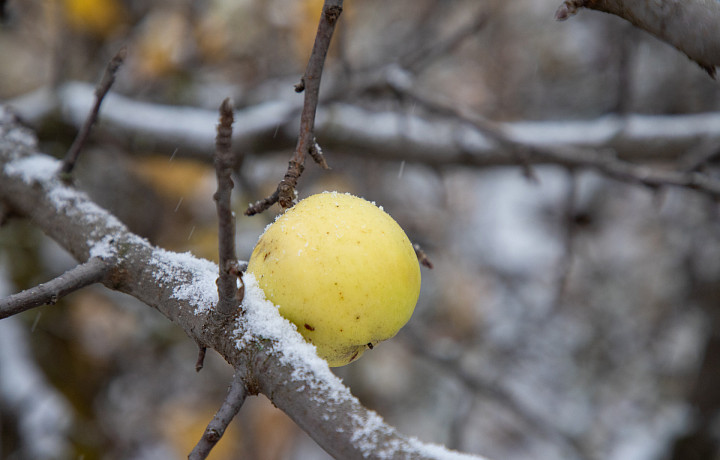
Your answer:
<point x="99" y="18"/>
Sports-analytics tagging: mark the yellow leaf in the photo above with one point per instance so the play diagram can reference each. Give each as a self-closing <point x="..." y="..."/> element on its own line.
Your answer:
<point x="94" y="17"/>
<point x="183" y="427"/>
<point x="163" y="43"/>
<point x="306" y="27"/>
<point x="176" y="178"/>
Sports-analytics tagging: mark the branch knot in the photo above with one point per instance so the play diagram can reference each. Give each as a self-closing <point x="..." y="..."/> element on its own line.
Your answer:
<point x="332" y="13"/>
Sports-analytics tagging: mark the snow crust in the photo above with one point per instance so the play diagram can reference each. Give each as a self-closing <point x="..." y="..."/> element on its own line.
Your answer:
<point x="42" y="169"/>
<point x="33" y="168"/>
<point x="189" y="125"/>
<point x="262" y="320"/>
<point x="369" y="438"/>
<point x="104" y="248"/>
<point x="199" y="288"/>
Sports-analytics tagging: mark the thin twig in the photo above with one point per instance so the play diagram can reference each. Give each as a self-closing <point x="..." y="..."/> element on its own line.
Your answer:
<point x="526" y="155"/>
<point x="565" y="262"/>
<point x="100" y="91"/>
<point x="228" y="300"/>
<point x="310" y="85"/>
<point x="200" y="363"/>
<point x="261" y="205"/>
<point x="317" y="155"/>
<point x="90" y="272"/>
<point x="520" y="152"/>
<point x="615" y="168"/>
<point x="422" y="256"/>
<point x="217" y="426"/>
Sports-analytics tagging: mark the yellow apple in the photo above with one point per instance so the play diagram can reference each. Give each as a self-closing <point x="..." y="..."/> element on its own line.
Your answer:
<point x="342" y="270"/>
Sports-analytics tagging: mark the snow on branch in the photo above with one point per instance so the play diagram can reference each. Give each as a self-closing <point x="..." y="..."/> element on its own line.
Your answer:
<point x="441" y="140"/>
<point x="267" y="353"/>
<point x="192" y="129"/>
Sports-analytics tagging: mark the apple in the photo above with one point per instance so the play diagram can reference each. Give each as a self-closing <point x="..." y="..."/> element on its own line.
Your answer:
<point x="342" y="270"/>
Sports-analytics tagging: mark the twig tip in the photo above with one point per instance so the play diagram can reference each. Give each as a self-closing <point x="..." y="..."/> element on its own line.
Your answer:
<point x="227" y="105"/>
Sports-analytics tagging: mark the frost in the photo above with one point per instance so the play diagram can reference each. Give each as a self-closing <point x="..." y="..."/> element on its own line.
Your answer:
<point x="199" y="289"/>
<point x="366" y="437"/>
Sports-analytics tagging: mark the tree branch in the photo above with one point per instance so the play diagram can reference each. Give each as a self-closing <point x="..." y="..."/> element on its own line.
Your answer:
<point x="310" y="84"/>
<point x="444" y="141"/>
<point x="91" y="272"/>
<point x="102" y="89"/>
<point x="386" y="135"/>
<point x="227" y="283"/>
<point x="265" y="350"/>
<point x="217" y="426"/>
<point x="690" y="25"/>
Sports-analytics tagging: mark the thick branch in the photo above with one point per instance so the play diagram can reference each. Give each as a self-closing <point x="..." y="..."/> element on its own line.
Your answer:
<point x="689" y="25"/>
<point x="392" y="136"/>
<point x="443" y="141"/>
<point x="90" y="272"/>
<point x="269" y="356"/>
